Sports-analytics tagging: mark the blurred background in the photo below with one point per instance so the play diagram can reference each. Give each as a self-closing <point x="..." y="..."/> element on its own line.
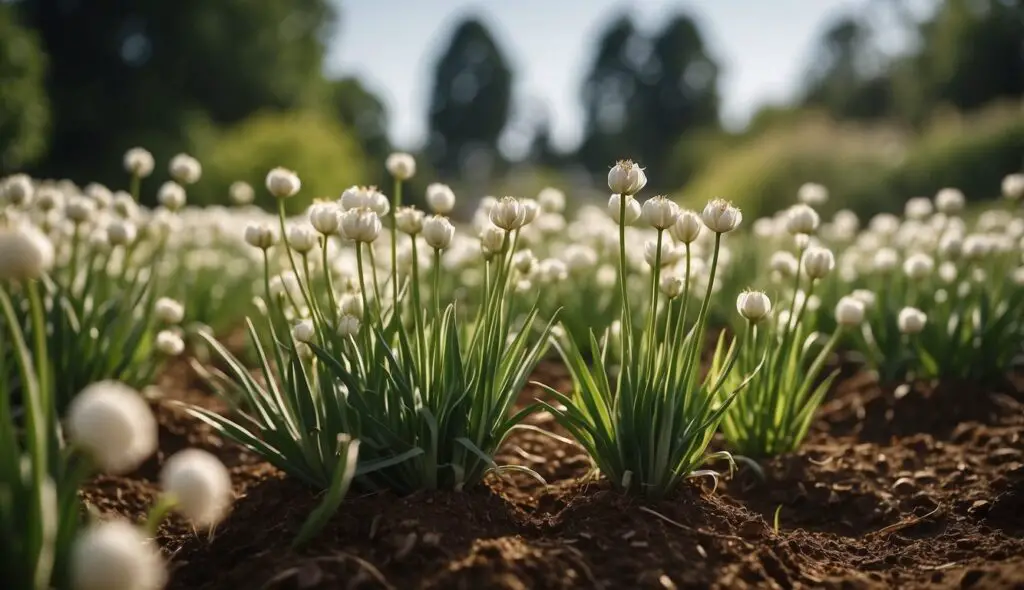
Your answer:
<point x="880" y="100"/>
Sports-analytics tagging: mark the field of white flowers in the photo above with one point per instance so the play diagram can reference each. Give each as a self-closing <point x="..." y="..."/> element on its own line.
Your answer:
<point x="633" y="395"/>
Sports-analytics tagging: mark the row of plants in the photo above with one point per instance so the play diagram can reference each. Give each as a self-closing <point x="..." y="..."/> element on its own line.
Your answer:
<point x="390" y="345"/>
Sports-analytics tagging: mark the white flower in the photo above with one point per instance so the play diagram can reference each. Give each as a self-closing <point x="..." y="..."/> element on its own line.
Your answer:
<point x="124" y="205"/>
<point x="113" y="425"/>
<point x="753" y="305"/>
<point x="115" y="555"/>
<point x="784" y="263"/>
<point x="802" y="219"/>
<point x="632" y="209"/>
<point x="721" y="217"/>
<point x="849" y="311"/>
<point x="818" y="262"/>
<point x="260" y="235"/>
<point x="579" y="258"/>
<point x="524" y="261"/>
<point x="185" y="169"/>
<point x="304" y="331"/>
<point x="169" y="343"/>
<point x="687" y="227"/>
<point x="551" y="270"/>
<point x="361" y="225"/>
<point x="354" y="197"/>
<point x="976" y="246"/>
<point x="885" y="260"/>
<point x="626" y="178"/>
<point x="492" y="240"/>
<point x="80" y="209"/>
<point x="49" y="198"/>
<point x="171" y="195"/>
<point x="438" y="232"/>
<point x="241" y="193"/>
<point x="1013" y="186"/>
<point x="121" y="232"/>
<point x="659" y="212"/>
<point x="1018" y="276"/>
<point x="951" y="246"/>
<point x="283" y="183"/>
<point x="378" y="202"/>
<point x="348" y="325"/>
<point x="199" y="486"/>
<point x="551" y="200"/>
<point x="671" y="285"/>
<point x="351" y="304"/>
<point x="865" y="296"/>
<point x="911" y="320"/>
<point x="401" y="165"/>
<point x="169" y="311"/>
<point x="812" y="194"/>
<point x="508" y="214"/>
<point x="409" y="220"/>
<point x="918" y="208"/>
<point x="17" y="190"/>
<point x="918" y="266"/>
<point x="440" y="198"/>
<point x="139" y="162"/>
<point x="532" y="208"/>
<point x="24" y="253"/>
<point x="669" y="254"/>
<point x="949" y="201"/>
<point x="325" y="218"/>
<point x="302" y="238"/>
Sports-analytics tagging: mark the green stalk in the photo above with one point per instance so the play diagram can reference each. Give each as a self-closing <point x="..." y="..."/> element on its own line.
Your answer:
<point x="626" y="320"/>
<point x="394" y="242"/>
<point x="330" y="281"/>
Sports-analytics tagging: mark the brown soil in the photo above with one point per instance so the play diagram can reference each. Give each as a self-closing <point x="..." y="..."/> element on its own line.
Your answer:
<point x="915" y="489"/>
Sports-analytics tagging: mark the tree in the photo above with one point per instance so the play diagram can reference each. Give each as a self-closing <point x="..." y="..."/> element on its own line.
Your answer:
<point x="609" y="95"/>
<point x="140" y="72"/>
<point x="363" y="112"/>
<point x="678" y="92"/>
<point x="24" y="112"/>
<point x="470" y="101"/>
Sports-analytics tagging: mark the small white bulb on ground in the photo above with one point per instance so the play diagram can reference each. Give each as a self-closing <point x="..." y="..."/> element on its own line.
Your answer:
<point x="116" y="555"/>
<point x="199" y="485"/>
<point x="113" y="425"/>
<point x="911" y="320"/>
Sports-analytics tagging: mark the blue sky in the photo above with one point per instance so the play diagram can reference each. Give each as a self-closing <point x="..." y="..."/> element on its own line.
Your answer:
<point x="764" y="46"/>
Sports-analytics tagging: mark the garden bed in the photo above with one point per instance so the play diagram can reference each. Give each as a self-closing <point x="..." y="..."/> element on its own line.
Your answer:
<point x="916" y="487"/>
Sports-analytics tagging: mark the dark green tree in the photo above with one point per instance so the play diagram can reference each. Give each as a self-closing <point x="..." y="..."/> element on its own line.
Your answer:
<point x="362" y="112"/>
<point x="129" y="72"/>
<point x="470" y="102"/>
<point x="609" y="96"/>
<point x="24" y="109"/>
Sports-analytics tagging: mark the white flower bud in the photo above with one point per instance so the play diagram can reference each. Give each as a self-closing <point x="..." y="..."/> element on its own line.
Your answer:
<point x="669" y="254"/>
<point x="139" y="162"/>
<point x="185" y="169"/>
<point x="171" y="195"/>
<point x="351" y="304"/>
<point x="169" y="311"/>
<point x="116" y="555"/>
<point x="1013" y="186"/>
<point x="753" y="305"/>
<point x="802" y="219"/>
<point x="17" y="190"/>
<point x="303" y="351"/>
<point x="199" y="485"/>
<point x="818" y="262"/>
<point x="671" y="285"/>
<point x="580" y="258"/>
<point x="812" y="194"/>
<point x="633" y="211"/>
<point x="524" y="261"/>
<point x="124" y="205"/>
<point x="784" y="263"/>
<point x="113" y="425"/>
<point x="48" y="199"/>
<point x="241" y="193"/>
<point x="360" y="225"/>
<point x="911" y="320"/>
<point x="24" y="253"/>
<point x="865" y="296"/>
<point x="348" y="325"/>
<point x="492" y="240"/>
<point x="949" y="201"/>
<point x="849" y="311"/>
<point x="508" y="214"/>
<point x="918" y="266"/>
<point x="121" y="232"/>
<point x="283" y="183"/>
<point x="409" y="220"/>
<point x="626" y="178"/>
<point x="686" y="227"/>
<point x="976" y="246"/>
<point x="401" y="165"/>
<point x="918" y="208"/>
<point x="659" y="212"/>
<point x="551" y="200"/>
<point x="260" y="235"/>
<point x="80" y="209"/>
<point x="325" y="218"/>
<point x="304" y="331"/>
<point x="378" y="202"/>
<point x="532" y="208"/>
<point x="440" y="198"/>
<point x="169" y="343"/>
<point x="301" y="238"/>
<point x="551" y="270"/>
<point x="355" y="197"/>
<point x="438" y="232"/>
<point x="951" y="246"/>
<point x="721" y="217"/>
<point x="885" y="260"/>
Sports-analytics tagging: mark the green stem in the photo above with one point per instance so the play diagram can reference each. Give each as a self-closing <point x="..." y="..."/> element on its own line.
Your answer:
<point x="157" y="513"/>
<point x="330" y="282"/>
<point x="394" y="243"/>
<point x="626" y="319"/>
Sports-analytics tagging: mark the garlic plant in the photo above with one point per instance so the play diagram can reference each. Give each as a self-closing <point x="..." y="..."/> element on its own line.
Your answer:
<point x="373" y="362"/>
<point x="647" y="426"/>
